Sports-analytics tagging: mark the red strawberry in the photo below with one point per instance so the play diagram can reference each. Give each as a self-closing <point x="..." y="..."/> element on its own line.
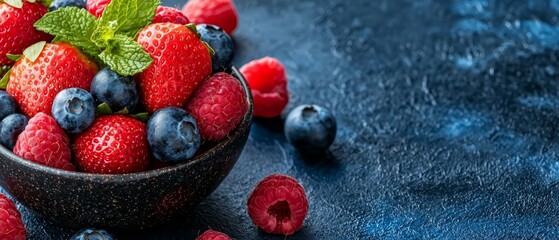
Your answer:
<point x="278" y="205"/>
<point x="218" y="106"/>
<point x="181" y="62"/>
<point x="114" y="144"/>
<point x="213" y="235"/>
<point x="268" y="83"/>
<point x="44" y="142"/>
<point x="222" y="13"/>
<point x="170" y="15"/>
<point x="163" y="14"/>
<point x="96" y="7"/>
<point x="34" y="85"/>
<point x="16" y="28"/>
<point x="11" y="225"/>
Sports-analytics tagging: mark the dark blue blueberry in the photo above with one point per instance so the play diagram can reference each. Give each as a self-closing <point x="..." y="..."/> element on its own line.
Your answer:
<point x="92" y="234"/>
<point x="221" y="43"/>
<point x="10" y="128"/>
<point x="310" y="128"/>
<point x="56" y="4"/>
<point x="117" y="91"/>
<point x="74" y="110"/>
<point x="173" y="135"/>
<point x="8" y="105"/>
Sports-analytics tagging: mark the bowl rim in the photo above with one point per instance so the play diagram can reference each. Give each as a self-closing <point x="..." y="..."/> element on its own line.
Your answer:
<point x="237" y="132"/>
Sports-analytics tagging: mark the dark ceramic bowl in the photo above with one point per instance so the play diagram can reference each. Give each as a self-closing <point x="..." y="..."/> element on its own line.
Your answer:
<point x="123" y="202"/>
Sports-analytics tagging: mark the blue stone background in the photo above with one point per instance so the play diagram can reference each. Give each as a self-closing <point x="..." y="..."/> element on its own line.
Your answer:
<point x="448" y="113"/>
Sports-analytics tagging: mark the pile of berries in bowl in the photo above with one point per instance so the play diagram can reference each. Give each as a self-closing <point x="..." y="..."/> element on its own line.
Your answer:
<point x="123" y="115"/>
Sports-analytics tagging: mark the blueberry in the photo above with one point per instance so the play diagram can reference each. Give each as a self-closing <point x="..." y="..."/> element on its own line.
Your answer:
<point x="10" y="128"/>
<point x="117" y="91"/>
<point x="56" y="4"/>
<point x="74" y="110"/>
<point x="221" y="43"/>
<point x="92" y="234"/>
<point x="8" y="104"/>
<point x="173" y="135"/>
<point x="310" y="128"/>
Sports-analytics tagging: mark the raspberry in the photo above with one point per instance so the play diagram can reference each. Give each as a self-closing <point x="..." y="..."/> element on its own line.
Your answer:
<point x="278" y="205"/>
<point x="171" y="15"/>
<point x="213" y="235"/>
<point x="44" y="142"/>
<point x="96" y="7"/>
<point x="11" y="225"/>
<point x="268" y="83"/>
<point x="221" y="13"/>
<point x="218" y="106"/>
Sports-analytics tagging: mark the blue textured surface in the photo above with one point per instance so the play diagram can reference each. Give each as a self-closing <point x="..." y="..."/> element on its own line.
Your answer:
<point x="447" y="113"/>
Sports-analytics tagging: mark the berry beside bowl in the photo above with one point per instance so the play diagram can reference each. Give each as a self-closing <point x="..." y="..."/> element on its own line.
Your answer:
<point x="127" y="201"/>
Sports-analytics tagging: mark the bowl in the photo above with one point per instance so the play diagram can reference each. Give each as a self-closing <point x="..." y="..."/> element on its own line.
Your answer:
<point x="123" y="202"/>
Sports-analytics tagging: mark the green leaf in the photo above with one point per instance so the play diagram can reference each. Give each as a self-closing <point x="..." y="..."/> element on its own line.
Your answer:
<point x="123" y="112"/>
<point x="72" y="25"/>
<point x="46" y="3"/>
<point x="13" y="57"/>
<point x="5" y="79"/>
<point x="14" y="3"/>
<point x="144" y="117"/>
<point x="210" y="49"/>
<point x="125" y="56"/>
<point x="124" y="17"/>
<point x="104" y="109"/>
<point x="33" y="51"/>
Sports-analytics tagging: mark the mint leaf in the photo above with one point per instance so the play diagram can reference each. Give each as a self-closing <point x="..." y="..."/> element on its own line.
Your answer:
<point x="5" y="79"/>
<point x="125" y="56"/>
<point x="14" y="3"/>
<point x="72" y="25"/>
<point x="33" y="51"/>
<point x="104" y="109"/>
<point x="13" y="57"/>
<point x="124" y="17"/>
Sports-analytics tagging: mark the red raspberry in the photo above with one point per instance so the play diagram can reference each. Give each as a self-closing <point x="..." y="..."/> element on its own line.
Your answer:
<point x="44" y="142"/>
<point x="221" y="13"/>
<point x="213" y="235"/>
<point x="162" y="15"/>
<point x="278" y="205"/>
<point x="268" y="83"/>
<point x="170" y="15"/>
<point x="96" y="7"/>
<point x="11" y="225"/>
<point x="218" y="106"/>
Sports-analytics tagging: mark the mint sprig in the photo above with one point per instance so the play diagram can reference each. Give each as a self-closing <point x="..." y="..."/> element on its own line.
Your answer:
<point x="125" y="17"/>
<point x="109" y="39"/>
<point x="73" y="25"/>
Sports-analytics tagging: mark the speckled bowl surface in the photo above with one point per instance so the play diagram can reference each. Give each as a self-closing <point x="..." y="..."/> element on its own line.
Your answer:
<point x="124" y="202"/>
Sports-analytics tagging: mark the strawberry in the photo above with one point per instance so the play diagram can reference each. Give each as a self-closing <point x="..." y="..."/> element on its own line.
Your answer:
<point x="34" y="85"/>
<point x="96" y="7"/>
<point x="170" y="15"/>
<point x="16" y="28"/>
<point x="114" y="144"/>
<point x="181" y="62"/>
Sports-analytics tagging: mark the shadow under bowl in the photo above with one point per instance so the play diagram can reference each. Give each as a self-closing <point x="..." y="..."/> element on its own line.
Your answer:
<point x="123" y="202"/>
